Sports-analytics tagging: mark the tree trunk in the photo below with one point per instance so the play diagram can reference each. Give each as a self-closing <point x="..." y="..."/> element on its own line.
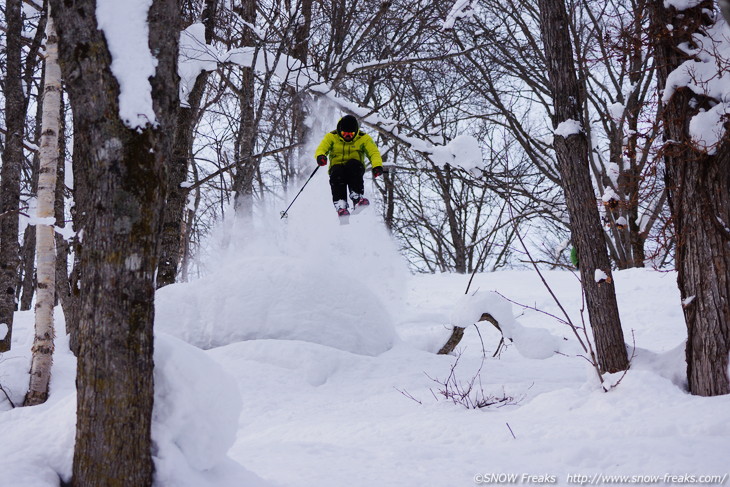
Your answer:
<point x="10" y="173"/>
<point x="300" y="52"/>
<point x="27" y="278"/>
<point x="624" y="148"/>
<point x="172" y="228"/>
<point x="456" y="254"/>
<point x="698" y="186"/>
<point x="40" y="369"/>
<point x="121" y="190"/>
<point x="27" y="268"/>
<point x="173" y="233"/>
<point x="246" y="138"/>
<point x="63" y="288"/>
<point x="571" y="150"/>
<point x="388" y="192"/>
<point x="71" y="295"/>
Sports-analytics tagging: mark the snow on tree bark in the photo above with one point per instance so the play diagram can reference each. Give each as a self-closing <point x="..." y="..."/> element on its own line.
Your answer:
<point x="571" y="150"/>
<point x="120" y="191"/>
<point x="698" y="185"/>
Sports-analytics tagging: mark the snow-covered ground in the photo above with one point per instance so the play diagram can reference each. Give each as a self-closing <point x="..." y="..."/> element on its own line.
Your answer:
<point x="306" y="357"/>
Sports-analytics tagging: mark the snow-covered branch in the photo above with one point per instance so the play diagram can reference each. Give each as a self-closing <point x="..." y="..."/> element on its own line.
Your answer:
<point x="197" y="56"/>
<point x="387" y="63"/>
<point x="706" y="74"/>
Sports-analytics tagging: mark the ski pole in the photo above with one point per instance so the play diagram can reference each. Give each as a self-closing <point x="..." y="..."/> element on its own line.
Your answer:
<point x="284" y="213"/>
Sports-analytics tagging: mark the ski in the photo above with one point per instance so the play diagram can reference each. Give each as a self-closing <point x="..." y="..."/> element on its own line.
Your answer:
<point x="361" y="205"/>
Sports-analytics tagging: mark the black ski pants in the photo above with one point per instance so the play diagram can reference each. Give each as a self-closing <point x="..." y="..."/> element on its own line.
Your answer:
<point x="344" y="176"/>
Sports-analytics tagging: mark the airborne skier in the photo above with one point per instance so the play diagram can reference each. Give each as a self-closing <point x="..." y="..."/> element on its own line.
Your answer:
<point x="346" y="148"/>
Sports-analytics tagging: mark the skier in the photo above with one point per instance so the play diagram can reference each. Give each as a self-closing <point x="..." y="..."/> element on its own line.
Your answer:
<point x="347" y="147"/>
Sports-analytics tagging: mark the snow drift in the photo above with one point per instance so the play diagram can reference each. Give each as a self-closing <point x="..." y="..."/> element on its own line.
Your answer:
<point x="310" y="304"/>
<point x="194" y="418"/>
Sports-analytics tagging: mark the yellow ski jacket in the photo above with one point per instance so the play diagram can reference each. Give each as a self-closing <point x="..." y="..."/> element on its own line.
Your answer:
<point x="339" y="151"/>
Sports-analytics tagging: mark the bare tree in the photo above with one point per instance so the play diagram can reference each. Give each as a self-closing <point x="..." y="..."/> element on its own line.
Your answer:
<point x="32" y="88"/>
<point x="571" y="148"/>
<point x="120" y="187"/>
<point x="618" y="74"/>
<point x="299" y="51"/>
<point x="11" y="168"/>
<point x="174" y="235"/>
<point x="698" y="183"/>
<point x="244" y="147"/>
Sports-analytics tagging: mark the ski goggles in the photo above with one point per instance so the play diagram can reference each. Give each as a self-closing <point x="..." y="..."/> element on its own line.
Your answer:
<point x="347" y="135"/>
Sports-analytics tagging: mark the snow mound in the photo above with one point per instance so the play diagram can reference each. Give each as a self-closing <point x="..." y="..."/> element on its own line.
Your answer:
<point x="671" y="365"/>
<point x="535" y="343"/>
<point x="312" y="303"/>
<point x="194" y="420"/>
<point x="196" y="409"/>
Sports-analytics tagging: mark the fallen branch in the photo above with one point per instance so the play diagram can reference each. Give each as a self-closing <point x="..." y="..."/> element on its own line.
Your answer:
<point x="457" y="333"/>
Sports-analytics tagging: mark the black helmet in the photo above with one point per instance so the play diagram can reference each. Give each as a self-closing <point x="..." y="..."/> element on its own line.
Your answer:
<point x="348" y="123"/>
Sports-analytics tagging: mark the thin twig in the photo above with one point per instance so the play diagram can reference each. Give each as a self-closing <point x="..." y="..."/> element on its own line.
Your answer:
<point x="555" y="298"/>
<point x="510" y="430"/>
<point x="234" y="165"/>
<point x="26" y="145"/>
<point x="532" y="308"/>
<point x="587" y="348"/>
<point x="484" y="351"/>
<point x="469" y="394"/>
<point x="7" y="396"/>
<point x="631" y="359"/>
<point x="499" y="347"/>
<point x="20" y="211"/>
<point x="479" y="260"/>
<point x="408" y="395"/>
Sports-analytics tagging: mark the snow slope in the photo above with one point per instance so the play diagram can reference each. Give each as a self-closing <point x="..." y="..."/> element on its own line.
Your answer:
<point x="314" y="365"/>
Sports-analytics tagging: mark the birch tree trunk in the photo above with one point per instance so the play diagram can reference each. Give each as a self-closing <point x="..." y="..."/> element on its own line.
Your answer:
<point x="40" y="370"/>
<point x="698" y="185"/>
<point x="571" y="149"/>
<point x="120" y="189"/>
<point x="10" y="173"/>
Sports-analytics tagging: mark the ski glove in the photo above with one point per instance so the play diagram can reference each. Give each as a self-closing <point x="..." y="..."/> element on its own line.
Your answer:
<point x="377" y="171"/>
<point x="321" y="160"/>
